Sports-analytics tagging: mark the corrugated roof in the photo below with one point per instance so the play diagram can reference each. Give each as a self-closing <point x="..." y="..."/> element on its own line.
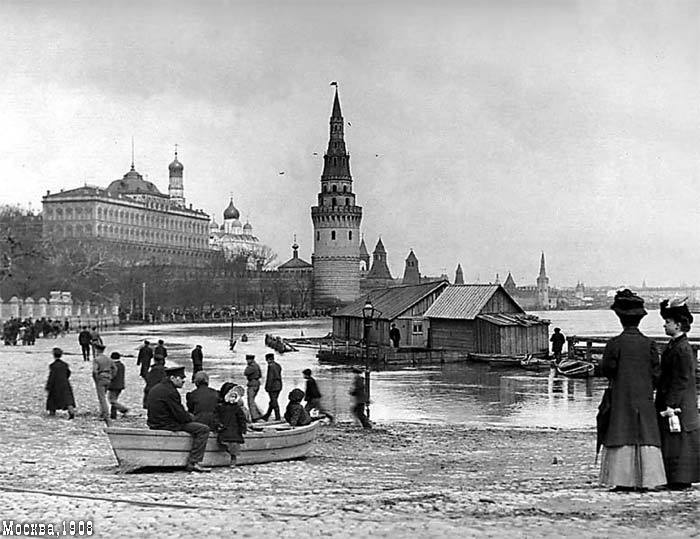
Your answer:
<point x="462" y="302"/>
<point x="392" y="301"/>
<point x="513" y="319"/>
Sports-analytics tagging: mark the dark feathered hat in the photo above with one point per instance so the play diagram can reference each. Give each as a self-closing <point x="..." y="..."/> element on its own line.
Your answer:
<point x="676" y="310"/>
<point x="296" y="395"/>
<point x="628" y="303"/>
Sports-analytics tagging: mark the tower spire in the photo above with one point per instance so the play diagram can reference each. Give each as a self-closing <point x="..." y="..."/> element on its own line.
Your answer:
<point x="543" y="272"/>
<point x="132" y="152"/>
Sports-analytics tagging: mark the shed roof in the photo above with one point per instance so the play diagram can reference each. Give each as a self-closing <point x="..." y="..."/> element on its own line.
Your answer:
<point x="392" y="301"/>
<point x="513" y="319"/>
<point x="464" y="302"/>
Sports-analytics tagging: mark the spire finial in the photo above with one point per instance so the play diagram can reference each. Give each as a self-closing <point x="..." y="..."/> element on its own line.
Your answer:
<point x="132" y="152"/>
<point x="176" y="151"/>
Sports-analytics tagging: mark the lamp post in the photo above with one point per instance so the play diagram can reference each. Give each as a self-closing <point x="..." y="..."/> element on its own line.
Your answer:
<point x="369" y="314"/>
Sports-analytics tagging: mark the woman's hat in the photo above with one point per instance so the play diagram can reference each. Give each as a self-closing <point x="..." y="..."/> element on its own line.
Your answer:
<point x="296" y="395"/>
<point x="234" y="394"/>
<point x="115" y="355"/>
<point x="676" y="310"/>
<point x="628" y="303"/>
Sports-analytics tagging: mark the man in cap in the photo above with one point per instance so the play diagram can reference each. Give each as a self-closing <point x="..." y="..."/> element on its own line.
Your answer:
<point x="202" y="401"/>
<point x="116" y="386"/>
<point x="253" y="374"/>
<point x="165" y="412"/>
<point x="359" y="395"/>
<point x="313" y="396"/>
<point x="557" y="341"/>
<point x="273" y="386"/>
<point x="160" y="352"/>
<point x="103" y="370"/>
<point x="145" y="357"/>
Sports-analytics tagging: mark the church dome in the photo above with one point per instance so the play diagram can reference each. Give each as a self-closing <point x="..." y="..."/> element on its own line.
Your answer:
<point x="175" y="166"/>
<point x="247" y="226"/>
<point x="132" y="183"/>
<point x="231" y="212"/>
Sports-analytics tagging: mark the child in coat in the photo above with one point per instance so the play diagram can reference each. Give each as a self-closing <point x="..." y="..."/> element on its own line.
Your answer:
<point x="230" y="419"/>
<point x="295" y="414"/>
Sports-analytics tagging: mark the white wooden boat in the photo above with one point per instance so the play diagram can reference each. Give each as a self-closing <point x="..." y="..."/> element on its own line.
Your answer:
<point x="140" y="448"/>
<point x="574" y="368"/>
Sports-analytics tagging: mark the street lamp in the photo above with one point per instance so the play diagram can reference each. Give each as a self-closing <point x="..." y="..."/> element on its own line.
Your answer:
<point x="369" y="314"/>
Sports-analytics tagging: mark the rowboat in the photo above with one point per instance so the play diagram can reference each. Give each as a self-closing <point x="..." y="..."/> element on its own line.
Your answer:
<point x="140" y="448"/>
<point x="278" y="344"/>
<point x="574" y="368"/>
<point x="498" y="360"/>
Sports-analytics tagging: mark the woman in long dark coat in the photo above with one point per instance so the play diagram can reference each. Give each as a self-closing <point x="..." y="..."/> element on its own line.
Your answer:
<point x="676" y="391"/>
<point x="631" y="443"/>
<point x="60" y="393"/>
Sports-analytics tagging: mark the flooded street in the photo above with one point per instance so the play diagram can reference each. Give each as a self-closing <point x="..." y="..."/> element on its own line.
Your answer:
<point x="466" y="394"/>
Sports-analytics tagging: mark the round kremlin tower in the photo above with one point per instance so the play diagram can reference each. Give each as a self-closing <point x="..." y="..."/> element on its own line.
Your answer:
<point x="336" y="221"/>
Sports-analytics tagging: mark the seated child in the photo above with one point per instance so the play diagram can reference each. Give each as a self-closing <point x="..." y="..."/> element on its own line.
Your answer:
<point x="295" y="414"/>
<point x="230" y="419"/>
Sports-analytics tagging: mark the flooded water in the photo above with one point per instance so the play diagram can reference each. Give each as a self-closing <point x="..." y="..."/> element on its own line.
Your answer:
<point x="469" y="393"/>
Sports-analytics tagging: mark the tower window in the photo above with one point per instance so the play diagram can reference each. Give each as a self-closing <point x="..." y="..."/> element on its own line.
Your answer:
<point x="335" y="188"/>
<point x="318" y="236"/>
<point x="349" y="234"/>
<point x="332" y="234"/>
<point x="345" y="188"/>
<point x="347" y="201"/>
<point x="334" y="202"/>
<point x="325" y="188"/>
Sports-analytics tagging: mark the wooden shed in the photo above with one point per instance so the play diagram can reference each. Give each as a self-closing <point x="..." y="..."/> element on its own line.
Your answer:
<point x="484" y="319"/>
<point x="402" y="305"/>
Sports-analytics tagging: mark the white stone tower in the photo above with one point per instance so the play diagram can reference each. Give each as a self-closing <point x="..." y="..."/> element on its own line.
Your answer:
<point x="336" y="220"/>
<point x="176" y="188"/>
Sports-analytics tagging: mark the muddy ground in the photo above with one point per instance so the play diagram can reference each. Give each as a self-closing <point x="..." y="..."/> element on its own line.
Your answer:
<point x="398" y="480"/>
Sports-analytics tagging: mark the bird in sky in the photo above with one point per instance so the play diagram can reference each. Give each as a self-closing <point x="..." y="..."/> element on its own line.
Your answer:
<point x="282" y="172"/>
<point x="349" y="124"/>
<point x="315" y="153"/>
<point x="376" y="155"/>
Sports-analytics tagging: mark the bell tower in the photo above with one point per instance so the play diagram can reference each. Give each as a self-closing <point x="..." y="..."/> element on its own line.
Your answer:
<point x="176" y="189"/>
<point x="336" y="220"/>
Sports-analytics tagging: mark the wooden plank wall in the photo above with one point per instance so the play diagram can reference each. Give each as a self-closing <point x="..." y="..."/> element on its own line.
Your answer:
<point x="488" y="338"/>
<point x="500" y="302"/>
<point x="524" y="340"/>
<point x="453" y="334"/>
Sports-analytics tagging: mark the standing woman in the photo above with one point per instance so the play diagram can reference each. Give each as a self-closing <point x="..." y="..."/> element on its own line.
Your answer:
<point x="631" y="443"/>
<point x="676" y="391"/>
<point x="59" y="392"/>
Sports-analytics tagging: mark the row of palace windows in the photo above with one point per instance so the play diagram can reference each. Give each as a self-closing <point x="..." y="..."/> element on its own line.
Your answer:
<point x="318" y="235"/>
<point x="70" y="231"/>
<point x="127" y="217"/>
<point x="334" y="188"/>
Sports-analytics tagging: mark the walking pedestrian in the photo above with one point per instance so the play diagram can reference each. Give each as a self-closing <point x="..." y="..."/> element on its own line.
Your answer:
<point x="103" y="369"/>
<point x="359" y="398"/>
<point x="95" y="340"/>
<point x="631" y="457"/>
<point x="313" y="396"/>
<point x="273" y="386"/>
<point x="116" y="386"/>
<point x="84" y="340"/>
<point x="144" y="358"/>
<point x="253" y="374"/>
<point x="557" y="339"/>
<point x="677" y="400"/>
<point x="59" y="393"/>
<point x="197" y="360"/>
<point x="160" y="352"/>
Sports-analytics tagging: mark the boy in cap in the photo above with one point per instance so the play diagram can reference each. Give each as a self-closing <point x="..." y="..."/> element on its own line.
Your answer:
<point x="165" y="412"/>
<point x="116" y="386"/>
<point x="313" y="396"/>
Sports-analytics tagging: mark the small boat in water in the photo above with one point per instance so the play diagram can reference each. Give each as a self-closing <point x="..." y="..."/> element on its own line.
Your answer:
<point x="142" y="448"/>
<point x="575" y="368"/>
<point x="278" y="344"/>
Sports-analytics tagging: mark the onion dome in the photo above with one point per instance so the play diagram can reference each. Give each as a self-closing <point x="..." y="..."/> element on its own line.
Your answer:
<point x="175" y="167"/>
<point x="247" y="227"/>
<point x="231" y="212"/>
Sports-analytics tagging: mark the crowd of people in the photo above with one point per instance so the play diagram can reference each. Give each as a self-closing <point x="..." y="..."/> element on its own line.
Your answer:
<point x="26" y="331"/>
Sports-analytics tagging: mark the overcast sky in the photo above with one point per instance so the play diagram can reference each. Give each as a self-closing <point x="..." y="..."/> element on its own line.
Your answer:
<point x="502" y="129"/>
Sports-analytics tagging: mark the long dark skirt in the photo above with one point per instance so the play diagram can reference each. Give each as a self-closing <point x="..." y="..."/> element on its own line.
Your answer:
<point x="681" y="452"/>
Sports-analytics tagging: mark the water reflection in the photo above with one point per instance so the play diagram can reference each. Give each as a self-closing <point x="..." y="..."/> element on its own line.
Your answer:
<point x="472" y="393"/>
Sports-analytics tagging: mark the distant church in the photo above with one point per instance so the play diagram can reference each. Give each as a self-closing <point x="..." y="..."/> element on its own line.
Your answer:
<point x="532" y="297"/>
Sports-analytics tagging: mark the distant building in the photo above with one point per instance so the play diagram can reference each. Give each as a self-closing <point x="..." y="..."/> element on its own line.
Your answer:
<point x="459" y="275"/>
<point x="379" y="275"/>
<point x="133" y="219"/>
<point x="299" y="274"/>
<point x="236" y="240"/>
<point x="336" y="221"/>
<point x="538" y="297"/>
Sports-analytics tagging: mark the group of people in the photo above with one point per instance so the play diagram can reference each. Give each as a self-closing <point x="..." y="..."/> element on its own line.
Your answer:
<point x="648" y="421"/>
<point x="27" y="330"/>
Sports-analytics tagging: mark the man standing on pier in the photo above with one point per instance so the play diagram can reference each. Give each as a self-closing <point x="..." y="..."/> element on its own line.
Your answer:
<point x="394" y="336"/>
<point x="197" y="360"/>
<point x="144" y="359"/>
<point x="557" y="341"/>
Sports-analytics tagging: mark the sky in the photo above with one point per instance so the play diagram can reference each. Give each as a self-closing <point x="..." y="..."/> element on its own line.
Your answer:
<point x="480" y="133"/>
